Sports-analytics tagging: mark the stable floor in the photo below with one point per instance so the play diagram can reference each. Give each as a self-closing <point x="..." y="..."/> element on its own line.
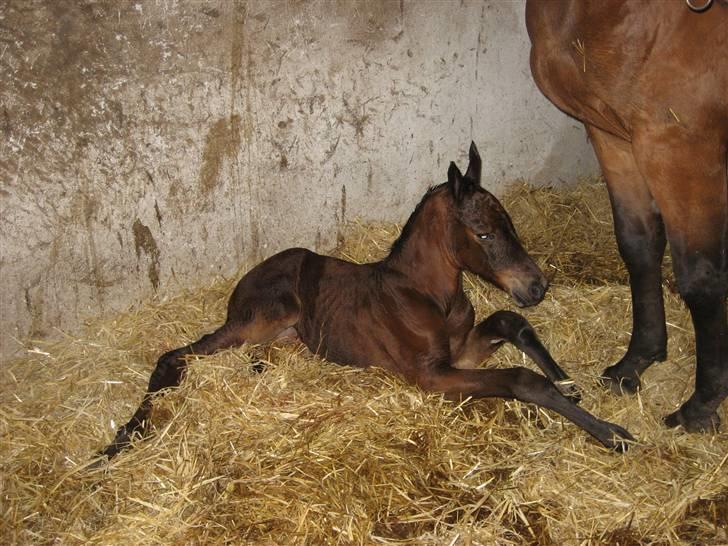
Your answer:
<point x="308" y="452"/>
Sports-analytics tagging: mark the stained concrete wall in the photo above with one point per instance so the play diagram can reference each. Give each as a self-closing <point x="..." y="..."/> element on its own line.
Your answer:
<point x="148" y="145"/>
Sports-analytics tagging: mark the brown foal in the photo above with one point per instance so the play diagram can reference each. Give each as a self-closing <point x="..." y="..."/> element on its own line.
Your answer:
<point x="407" y="313"/>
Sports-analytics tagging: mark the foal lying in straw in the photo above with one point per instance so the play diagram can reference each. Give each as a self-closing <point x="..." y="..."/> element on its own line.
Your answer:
<point x="407" y="313"/>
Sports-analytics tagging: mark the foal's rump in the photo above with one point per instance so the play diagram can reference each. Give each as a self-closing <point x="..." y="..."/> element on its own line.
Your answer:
<point x="265" y="303"/>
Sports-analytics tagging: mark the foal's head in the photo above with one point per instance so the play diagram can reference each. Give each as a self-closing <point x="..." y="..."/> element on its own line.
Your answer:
<point x="484" y="240"/>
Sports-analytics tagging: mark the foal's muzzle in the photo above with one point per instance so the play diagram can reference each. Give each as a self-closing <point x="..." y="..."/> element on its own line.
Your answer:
<point x="527" y="292"/>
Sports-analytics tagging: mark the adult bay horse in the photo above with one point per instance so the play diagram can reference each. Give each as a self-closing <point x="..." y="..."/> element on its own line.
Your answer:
<point x="407" y="313"/>
<point x="650" y="82"/>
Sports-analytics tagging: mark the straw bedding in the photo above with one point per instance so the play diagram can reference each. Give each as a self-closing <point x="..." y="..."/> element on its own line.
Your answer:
<point x="309" y="452"/>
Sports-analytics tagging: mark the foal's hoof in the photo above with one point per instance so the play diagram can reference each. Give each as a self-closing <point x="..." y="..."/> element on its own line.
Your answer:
<point x="258" y="367"/>
<point x="121" y="441"/>
<point x="568" y="388"/>
<point x="618" y="383"/>
<point x="693" y="423"/>
<point x="99" y="461"/>
<point x="620" y="439"/>
<point x="119" y="444"/>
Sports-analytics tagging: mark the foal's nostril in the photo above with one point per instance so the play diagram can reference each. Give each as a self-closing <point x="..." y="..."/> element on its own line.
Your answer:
<point x="537" y="290"/>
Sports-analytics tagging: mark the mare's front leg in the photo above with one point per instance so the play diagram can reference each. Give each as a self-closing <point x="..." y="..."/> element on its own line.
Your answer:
<point x="485" y="338"/>
<point x="689" y="179"/>
<point x="641" y="241"/>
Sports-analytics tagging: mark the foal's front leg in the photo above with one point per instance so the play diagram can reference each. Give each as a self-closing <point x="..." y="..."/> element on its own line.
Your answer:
<point x="485" y="338"/>
<point x="521" y="384"/>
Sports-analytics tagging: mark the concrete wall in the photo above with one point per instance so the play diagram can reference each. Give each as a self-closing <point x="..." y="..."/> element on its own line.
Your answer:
<point x="150" y="144"/>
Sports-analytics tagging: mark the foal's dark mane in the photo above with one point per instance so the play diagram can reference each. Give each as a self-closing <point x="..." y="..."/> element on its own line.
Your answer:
<point x="397" y="246"/>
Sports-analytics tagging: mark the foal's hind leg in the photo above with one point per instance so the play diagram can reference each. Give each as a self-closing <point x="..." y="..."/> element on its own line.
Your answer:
<point x="171" y="366"/>
<point x="502" y="326"/>
<point x="168" y="373"/>
<point x="262" y="307"/>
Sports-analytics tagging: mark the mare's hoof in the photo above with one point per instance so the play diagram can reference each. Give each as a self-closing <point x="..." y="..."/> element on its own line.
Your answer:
<point x="624" y="376"/>
<point x="693" y="423"/>
<point x="618" y="383"/>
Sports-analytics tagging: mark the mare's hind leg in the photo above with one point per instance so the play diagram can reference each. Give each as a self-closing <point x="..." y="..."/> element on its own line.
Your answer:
<point x="485" y="338"/>
<point x="688" y="177"/>
<point x="262" y="308"/>
<point x="641" y="240"/>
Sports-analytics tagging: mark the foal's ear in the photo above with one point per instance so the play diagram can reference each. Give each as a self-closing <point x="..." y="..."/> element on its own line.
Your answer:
<point x="474" y="167"/>
<point x="458" y="184"/>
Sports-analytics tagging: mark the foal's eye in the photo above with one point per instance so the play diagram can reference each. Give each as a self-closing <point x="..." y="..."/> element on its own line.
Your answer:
<point x="486" y="236"/>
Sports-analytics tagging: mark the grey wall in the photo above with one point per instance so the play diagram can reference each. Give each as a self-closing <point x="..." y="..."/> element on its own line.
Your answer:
<point x="148" y="145"/>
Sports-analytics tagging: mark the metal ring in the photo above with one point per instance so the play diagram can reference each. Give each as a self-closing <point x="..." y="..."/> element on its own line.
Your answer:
<point x="699" y="8"/>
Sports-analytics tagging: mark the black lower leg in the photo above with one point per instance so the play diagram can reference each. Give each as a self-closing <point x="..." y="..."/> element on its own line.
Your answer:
<point x="531" y="387"/>
<point x="518" y="331"/>
<point x="708" y="310"/>
<point x="641" y="241"/>
<point x="648" y="343"/>
<point x="167" y="373"/>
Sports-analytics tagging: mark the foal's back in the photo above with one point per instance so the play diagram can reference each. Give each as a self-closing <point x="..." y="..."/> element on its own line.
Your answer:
<point x="357" y="314"/>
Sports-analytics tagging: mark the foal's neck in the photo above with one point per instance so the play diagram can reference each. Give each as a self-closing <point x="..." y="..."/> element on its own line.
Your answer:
<point x="423" y="252"/>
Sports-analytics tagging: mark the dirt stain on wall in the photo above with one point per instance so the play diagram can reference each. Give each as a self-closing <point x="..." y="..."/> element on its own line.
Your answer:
<point x="144" y="242"/>
<point x="222" y="142"/>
